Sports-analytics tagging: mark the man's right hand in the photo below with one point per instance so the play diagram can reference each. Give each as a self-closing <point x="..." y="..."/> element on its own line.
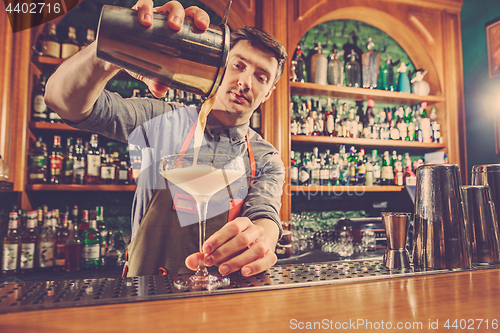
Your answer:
<point x="176" y="15"/>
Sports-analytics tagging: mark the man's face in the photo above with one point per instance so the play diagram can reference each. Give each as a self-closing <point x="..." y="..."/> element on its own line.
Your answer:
<point x="247" y="83"/>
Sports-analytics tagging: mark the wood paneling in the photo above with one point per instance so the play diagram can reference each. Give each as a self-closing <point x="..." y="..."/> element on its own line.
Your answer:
<point x="276" y="118"/>
<point x="6" y="37"/>
<point x="421" y="300"/>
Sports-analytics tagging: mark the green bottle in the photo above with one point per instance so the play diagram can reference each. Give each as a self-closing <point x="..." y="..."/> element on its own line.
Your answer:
<point x="103" y="231"/>
<point x="91" y="245"/>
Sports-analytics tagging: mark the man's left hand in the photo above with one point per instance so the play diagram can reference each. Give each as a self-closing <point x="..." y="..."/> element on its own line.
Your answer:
<point x="240" y="244"/>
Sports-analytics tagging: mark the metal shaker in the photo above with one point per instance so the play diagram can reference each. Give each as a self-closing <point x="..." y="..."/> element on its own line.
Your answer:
<point x="186" y="59"/>
<point x="488" y="174"/>
<point x="440" y="238"/>
<point x="484" y="234"/>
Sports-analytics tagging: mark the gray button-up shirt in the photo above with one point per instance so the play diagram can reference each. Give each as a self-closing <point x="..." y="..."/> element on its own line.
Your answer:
<point x="158" y="128"/>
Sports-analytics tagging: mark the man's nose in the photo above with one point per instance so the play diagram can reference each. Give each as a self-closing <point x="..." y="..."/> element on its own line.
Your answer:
<point x="245" y="81"/>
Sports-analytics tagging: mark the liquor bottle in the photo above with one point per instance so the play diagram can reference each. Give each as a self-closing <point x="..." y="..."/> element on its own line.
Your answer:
<point x="108" y="171"/>
<point x="11" y="247"/>
<point x="255" y="120"/>
<point x="84" y="223"/>
<point x="294" y="168"/>
<point x="93" y="161"/>
<point x="91" y="245"/>
<point x="315" y="167"/>
<point x="39" y="107"/>
<point x="335" y="170"/>
<point x="103" y="231"/>
<point x="46" y="245"/>
<point x="352" y="70"/>
<point x="324" y="171"/>
<point x="319" y="65"/>
<point x="371" y="64"/>
<point x="410" y="123"/>
<point x="401" y="123"/>
<point x="37" y="163"/>
<point x="70" y="45"/>
<point x="74" y="245"/>
<point x="335" y="68"/>
<point x="89" y="38"/>
<point x="300" y="66"/>
<point x="79" y="163"/>
<point x="62" y="235"/>
<point x="69" y="158"/>
<point x="398" y="172"/>
<point x="122" y="171"/>
<point x="53" y="117"/>
<point x="56" y="161"/>
<point x="409" y="178"/>
<point x="28" y="245"/>
<point x="74" y="215"/>
<point x="47" y="43"/>
<point x="375" y="166"/>
<point x="304" y="170"/>
<point x="352" y="163"/>
<point x="361" y="167"/>
<point x="386" y="171"/>
<point x="369" y="179"/>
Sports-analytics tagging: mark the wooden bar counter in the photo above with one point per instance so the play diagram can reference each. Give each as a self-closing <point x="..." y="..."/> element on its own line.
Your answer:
<point x="465" y="300"/>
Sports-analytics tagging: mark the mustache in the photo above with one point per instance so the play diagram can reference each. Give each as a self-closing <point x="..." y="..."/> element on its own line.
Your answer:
<point x="240" y="93"/>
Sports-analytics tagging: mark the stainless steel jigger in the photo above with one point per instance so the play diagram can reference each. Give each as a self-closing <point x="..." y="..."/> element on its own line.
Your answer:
<point x="396" y="227"/>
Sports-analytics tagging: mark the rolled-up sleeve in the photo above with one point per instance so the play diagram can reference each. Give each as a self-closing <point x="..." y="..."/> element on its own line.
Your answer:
<point x="264" y="196"/>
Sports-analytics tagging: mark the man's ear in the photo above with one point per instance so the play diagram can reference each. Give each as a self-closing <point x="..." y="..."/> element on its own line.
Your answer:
<point x="268" y="94"/>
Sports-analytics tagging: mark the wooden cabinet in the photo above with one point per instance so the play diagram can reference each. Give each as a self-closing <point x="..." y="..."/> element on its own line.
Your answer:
<point x="428" y="31"/>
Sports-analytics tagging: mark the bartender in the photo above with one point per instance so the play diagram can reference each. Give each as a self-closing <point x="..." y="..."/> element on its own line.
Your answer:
<point x="244" y="235"/>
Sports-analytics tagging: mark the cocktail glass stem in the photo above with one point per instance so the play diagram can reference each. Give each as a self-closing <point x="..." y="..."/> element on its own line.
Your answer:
<point x="202" y="206"/>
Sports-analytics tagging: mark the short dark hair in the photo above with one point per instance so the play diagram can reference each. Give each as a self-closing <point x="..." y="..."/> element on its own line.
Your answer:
<point x="259" y="38"/>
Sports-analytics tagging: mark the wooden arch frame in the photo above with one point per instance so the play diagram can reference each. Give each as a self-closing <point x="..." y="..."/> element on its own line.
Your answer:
<point x="409" y="41"/>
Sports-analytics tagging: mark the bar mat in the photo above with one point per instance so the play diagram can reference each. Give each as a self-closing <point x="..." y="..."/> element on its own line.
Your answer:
<point x="15" y="297"/>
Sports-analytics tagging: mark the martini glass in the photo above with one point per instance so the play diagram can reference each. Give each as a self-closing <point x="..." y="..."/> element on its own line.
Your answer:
<point x="202" y="176"/>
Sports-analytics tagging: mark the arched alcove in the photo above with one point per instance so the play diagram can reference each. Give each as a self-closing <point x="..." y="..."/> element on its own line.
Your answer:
<point x="412" y="43"/>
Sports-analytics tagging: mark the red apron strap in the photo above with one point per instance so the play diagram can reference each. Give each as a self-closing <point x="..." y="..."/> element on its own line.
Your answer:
<point x="189" y="137"/>
<point x="252" y="160"/>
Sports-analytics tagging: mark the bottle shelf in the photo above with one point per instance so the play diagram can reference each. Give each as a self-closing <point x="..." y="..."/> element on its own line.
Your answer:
<point x="77" y="187"/>
<point x="53" y="126"/>
<point x="361" y="94"/>
<point x="44" y="60"/>
<point x="374" y="143"/>
<point x="358" y="189"/>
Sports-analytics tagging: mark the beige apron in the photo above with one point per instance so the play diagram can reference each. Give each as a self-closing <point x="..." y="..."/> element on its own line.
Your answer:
<point x="161" y="245"/>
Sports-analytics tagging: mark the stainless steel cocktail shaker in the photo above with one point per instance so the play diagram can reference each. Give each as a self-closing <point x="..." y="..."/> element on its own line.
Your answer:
<point x="188" y="59"/>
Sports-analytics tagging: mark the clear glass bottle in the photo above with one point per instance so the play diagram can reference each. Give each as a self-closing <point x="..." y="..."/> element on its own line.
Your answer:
<point x="11" y="247"/>
<point x="37" y="163"/>
<point x="46" y="244"/>
<point x="70" y="45"/>
<point x="28" y="244"/>
<point x="371" y="65"/>
<point x="56" y="161"/>
<point x="319" y="65"/>
<point x="91" y="245"/>
<point x="335" y="68"/>
<point x="93" y="161"/>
